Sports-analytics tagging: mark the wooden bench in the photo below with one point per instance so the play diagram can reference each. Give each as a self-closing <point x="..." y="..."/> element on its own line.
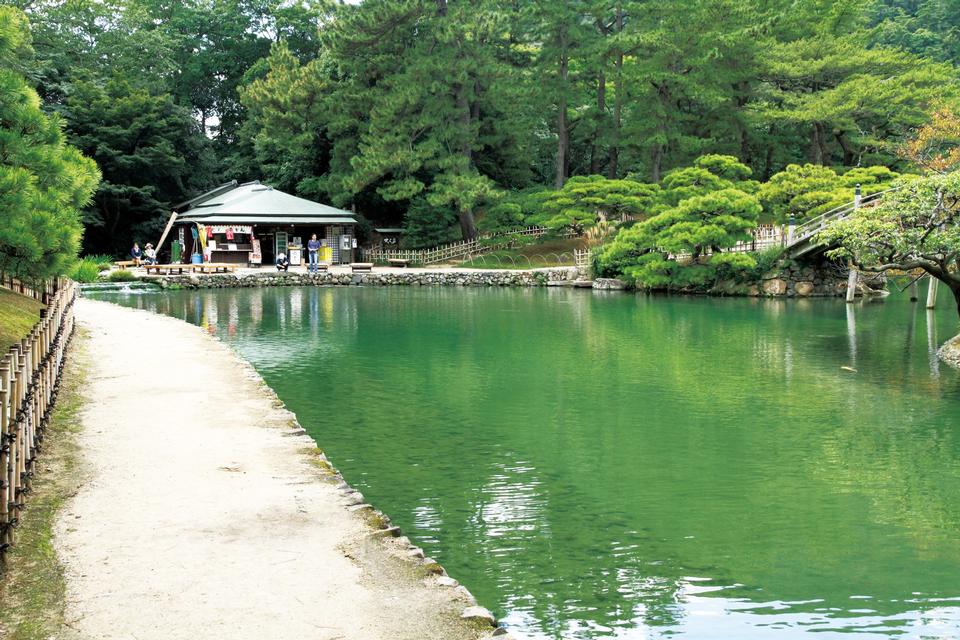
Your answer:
<point x="215" y="267"/>
<point x="168" y="268"/>
<point x="361" y="267"/>
<point x="123" y="264"/>
<point x="398" y="262"/>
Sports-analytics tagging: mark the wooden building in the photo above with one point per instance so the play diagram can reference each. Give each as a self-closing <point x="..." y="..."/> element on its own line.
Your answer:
<point x="252" y="222"/>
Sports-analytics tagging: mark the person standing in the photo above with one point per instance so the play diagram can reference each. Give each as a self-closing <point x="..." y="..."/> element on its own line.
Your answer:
<point x="313" y="248"/>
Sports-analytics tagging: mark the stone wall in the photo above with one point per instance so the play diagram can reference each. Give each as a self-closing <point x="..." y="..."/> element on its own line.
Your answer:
<point x="821" y="279"/>
<point x="267" y="278"/>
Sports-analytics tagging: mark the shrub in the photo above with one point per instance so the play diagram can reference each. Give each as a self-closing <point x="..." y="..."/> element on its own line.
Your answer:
<point x="85" y="270"/>
<point x="121" y="275"/>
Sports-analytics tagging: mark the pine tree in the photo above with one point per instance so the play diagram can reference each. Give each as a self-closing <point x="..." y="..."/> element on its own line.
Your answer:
<point x="43" y="181"/>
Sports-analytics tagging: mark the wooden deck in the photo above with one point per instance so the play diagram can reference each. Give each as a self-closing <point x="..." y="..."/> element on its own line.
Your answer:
<point x="215" y="267"/>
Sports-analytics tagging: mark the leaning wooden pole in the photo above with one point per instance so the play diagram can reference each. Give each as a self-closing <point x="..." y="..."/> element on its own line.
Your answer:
<point x="932" y="292"/>
<point x="166" y="231"/>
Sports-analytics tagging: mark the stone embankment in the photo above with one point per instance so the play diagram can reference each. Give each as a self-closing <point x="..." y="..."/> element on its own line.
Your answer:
<point x="810" y="281"/>
<point x="418" y="277"/>
<point x="790" y="281"/>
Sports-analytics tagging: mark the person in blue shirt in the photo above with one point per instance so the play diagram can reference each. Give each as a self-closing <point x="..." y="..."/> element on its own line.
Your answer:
<point x="136" y="253"/>
<point x="313" y="246"/>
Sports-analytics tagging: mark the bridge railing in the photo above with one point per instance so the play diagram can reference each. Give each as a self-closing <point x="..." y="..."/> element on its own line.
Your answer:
<point x="806" y="230"/>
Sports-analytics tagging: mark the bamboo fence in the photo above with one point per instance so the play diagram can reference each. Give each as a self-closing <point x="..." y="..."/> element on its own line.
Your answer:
<point x="29" y="381"/>
<point x="463" y="249"/>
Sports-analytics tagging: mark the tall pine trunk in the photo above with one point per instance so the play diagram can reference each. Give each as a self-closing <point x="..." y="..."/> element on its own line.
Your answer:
<point x="656" y="162"/>
<point x="614" y="153"/>
<point x="819" y="153"/>
<point x="468" y="225"/>
<point x="601" y="110"/>
<point x="563" y="131"/>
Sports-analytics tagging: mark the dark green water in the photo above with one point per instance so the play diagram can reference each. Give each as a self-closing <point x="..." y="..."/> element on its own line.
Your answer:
<point x="618" y="466"/>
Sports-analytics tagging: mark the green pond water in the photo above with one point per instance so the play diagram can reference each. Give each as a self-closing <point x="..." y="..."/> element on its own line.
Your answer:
<point x="622" y="466"/>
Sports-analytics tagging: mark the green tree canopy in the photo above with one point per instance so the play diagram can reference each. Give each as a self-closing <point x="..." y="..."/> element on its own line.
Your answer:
<point x="149" y="154"/>
<point x="682" y="245"/>
<point x="804" y="191"/>
<point x="585" y="200"/>
<point x="44" y="182"/>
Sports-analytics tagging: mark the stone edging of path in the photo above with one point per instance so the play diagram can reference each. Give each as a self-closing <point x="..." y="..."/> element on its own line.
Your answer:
<point x="380" y="524"/>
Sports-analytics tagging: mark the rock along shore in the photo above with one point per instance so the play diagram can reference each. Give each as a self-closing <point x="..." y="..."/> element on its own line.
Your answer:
<point x="208" y="512"/>
<point x="950" y="352"/>
<point x="792" y="281"/>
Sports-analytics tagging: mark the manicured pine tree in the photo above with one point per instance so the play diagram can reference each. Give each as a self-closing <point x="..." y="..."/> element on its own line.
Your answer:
<point x="44" y="182"/>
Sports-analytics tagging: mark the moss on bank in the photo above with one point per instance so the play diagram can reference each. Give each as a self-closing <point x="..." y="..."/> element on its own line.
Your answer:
<point x="18" y="314"/>
<point x="32" y="587"/>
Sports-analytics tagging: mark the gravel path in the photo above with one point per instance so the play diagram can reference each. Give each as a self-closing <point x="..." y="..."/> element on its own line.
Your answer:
<point x="203" y="516"/>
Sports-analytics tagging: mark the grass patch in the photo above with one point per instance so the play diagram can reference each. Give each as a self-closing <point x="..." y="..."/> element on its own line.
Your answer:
<point x="103" y="261"/>
<point x="531" y="256"/>
<point x="32" y="588"/>
<point x="18" y="314"/>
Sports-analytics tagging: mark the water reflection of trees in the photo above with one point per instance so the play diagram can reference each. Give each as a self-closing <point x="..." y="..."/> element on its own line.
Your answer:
<point x="582" y="456"/>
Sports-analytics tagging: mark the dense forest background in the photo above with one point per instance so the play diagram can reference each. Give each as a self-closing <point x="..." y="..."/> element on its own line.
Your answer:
<point x="430" y="113"/>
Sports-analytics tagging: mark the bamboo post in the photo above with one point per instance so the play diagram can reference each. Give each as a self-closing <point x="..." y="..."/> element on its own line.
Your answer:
<point x="932" y="292"/>
<point x="24" y="426"/>
<point x="914" y="294"/>
<point x="852" y="285"/>
<point x="15" y="439"/>
<point x="5" y="446"/>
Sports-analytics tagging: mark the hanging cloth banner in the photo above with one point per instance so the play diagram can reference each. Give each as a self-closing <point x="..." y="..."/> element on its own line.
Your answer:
<point x="232" y="228"/>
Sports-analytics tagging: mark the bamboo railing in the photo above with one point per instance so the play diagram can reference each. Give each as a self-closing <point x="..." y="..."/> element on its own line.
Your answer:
<point x="29" y="381"/>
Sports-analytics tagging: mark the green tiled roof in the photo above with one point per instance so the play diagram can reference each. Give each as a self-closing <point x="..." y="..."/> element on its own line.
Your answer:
<point x="255" y="203"/>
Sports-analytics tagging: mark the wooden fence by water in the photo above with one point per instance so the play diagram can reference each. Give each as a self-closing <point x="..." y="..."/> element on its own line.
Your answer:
<point x="29" y="381"/>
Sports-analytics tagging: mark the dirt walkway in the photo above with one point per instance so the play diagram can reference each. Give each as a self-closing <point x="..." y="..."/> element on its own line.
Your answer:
<point x="204" y="516"/>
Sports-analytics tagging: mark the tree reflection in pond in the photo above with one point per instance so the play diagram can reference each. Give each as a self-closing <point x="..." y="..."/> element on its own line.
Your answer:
<point x="608" y="465"/>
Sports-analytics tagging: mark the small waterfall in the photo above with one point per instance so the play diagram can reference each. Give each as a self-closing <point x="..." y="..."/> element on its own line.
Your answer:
<point x="119" y="287"/>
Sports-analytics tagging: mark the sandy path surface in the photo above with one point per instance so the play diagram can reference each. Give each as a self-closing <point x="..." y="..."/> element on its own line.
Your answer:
<point x="201" y="516"/>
